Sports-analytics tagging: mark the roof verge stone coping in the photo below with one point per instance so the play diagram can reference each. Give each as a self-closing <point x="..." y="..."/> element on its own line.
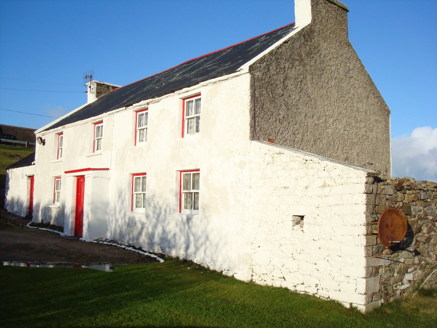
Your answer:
<point x="341" y="5"/>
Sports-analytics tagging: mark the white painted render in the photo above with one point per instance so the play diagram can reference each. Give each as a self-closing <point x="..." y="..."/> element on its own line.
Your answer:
<point x="326" y="255"/>
<point x="302" y="10"/>
<point x="249" y="192"/>
<point x="220" y="152"/>
<point x="17" y="190"/>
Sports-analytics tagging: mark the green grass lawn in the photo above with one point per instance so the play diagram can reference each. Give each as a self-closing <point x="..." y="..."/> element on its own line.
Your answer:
<point x="179" y="294"/>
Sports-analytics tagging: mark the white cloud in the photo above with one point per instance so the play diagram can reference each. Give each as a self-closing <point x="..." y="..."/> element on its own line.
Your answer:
<point x="57" y="111"/>
<point x="415" y="156"/>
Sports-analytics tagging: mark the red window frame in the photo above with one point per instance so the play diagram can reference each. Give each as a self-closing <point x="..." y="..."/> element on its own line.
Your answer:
<point x="180" y="187"/>
<point x="132" y="188"/>
<point x="94" y="135"/>
<point x="57" y="146"/>
<point x="183" y="112"/>
<point x="136" y="122"/>
<point x="54" y="188"/>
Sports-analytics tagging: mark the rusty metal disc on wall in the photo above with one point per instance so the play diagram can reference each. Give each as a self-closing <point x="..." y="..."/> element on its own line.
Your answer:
<point x="392" y="227"/>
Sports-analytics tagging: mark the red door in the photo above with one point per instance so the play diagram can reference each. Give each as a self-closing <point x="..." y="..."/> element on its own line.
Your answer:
<point x="31" y="187"/>
<point x="78" y="223"/>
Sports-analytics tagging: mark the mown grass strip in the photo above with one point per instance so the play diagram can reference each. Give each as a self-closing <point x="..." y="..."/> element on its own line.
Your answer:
<point x="179" y="294"/>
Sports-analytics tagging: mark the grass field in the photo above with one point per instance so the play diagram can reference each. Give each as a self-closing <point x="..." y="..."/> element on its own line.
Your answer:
<point x="11" y="154"/>
<point x="180" y="294"/>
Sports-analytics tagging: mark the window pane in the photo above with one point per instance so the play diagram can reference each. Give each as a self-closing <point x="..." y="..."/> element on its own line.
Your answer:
<point x="197" y="124"/>
<point x="139" y="201"/>
<point x="196" y="201"/>
<point x="189" y="108"/>
<point x="61" y="141"/>
<point x="60" y="153"/>
<point x="186" y="181"/>
<point x="191" y="126"/>
<point x="142" y="135"/>
<point x="187" y="201"/>
<point x="57" y="196"/>
<point x="58" y="184"/>
<point x="99" y="131"/>
<point x="137" y="184"/>
<point x="140" y="122"/>
<point x="196" y="177"/>
<point x="143" y="184"/>
<point x="144" y="200"/>
<point x="197" y="106"/>
<point x="98" y="144"/>
<point x="146" y="118"/>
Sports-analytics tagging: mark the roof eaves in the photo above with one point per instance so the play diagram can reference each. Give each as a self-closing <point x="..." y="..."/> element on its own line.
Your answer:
<point x="45" y="127"/>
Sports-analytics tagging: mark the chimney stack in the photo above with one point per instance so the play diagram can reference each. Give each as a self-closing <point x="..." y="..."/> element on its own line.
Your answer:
<point x="303" y="10"/>
<point x="97" y="89"/>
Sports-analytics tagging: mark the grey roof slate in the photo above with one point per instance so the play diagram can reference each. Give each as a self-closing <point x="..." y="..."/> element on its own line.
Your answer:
<point x="192" y="72"/>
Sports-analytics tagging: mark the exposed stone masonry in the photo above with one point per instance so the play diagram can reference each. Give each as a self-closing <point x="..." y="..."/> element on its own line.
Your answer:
<point x="402" y="270"/>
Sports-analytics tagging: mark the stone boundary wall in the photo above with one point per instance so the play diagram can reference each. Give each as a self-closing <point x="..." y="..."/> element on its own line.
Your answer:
<point x="402" y="271"/>
<point x="309" y="224"/>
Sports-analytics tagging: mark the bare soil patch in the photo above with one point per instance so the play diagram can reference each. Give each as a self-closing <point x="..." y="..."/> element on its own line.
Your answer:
<point x="19" y="243"/>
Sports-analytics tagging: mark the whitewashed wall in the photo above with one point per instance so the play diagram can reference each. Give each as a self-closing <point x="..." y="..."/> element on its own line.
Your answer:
<point x="17" y="190"/>
<point x="216" y="237"/>
<point x="326" y="255"/>
<point x="249" y="192"/>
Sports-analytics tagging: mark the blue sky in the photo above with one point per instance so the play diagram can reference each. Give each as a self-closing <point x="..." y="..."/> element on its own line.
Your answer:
<point x="55" y="42"/>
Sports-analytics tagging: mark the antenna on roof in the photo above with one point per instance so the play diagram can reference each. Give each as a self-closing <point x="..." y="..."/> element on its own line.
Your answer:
<point x="88" y="76"/>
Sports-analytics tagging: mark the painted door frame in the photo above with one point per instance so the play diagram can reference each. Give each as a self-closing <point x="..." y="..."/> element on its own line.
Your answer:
<point x="79" y="202"/>
<point x="31" y="194"/>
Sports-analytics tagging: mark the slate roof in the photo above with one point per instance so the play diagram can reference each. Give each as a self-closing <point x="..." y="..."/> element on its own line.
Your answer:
<point x="25" y="161"/>
<point x="192" y="72"/>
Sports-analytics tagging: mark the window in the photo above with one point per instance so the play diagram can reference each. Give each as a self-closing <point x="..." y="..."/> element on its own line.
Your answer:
<point x="57" y="191"/>
<point x="189" y="192"/>
<point x="141" y="122"/>
<point x="98" y="136"/>
<point x="60" y="146"/>
<point x="138" y="192"/>
<point x="191" y="115"/>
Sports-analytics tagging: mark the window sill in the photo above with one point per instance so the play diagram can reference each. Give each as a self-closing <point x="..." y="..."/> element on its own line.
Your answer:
<point x="94" y="154"/>
<point x="139" y="214"/>
<point x="188" y="215"/>
<point x="142" y="144"/>
<point x="189" y="136"/>
<point x="54" y="206"/>
<point x="57" y="160"/>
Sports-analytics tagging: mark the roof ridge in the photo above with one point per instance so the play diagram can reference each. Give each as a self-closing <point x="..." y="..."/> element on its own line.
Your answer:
<point x="210" y="53"/>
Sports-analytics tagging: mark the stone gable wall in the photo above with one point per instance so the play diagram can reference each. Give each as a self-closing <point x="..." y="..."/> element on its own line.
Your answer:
<point x="313" y="93"/>
<point x="402" y="271"/>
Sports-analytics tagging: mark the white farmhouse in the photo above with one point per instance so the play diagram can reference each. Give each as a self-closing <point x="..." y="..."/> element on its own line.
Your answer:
<point x="251" y="160"/>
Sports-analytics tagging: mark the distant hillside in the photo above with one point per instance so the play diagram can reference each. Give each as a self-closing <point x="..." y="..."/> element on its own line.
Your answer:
<point x="11" y="154"/>
<point x="22" y="134"/>
<point x="8" y="156"/>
